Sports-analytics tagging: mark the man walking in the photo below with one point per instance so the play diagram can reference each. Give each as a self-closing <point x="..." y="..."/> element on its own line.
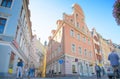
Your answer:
<point x="114" y="61"/>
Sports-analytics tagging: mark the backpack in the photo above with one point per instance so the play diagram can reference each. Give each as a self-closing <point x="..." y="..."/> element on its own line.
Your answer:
<point x="97" y="68"/>
<point x="20" y="64"/>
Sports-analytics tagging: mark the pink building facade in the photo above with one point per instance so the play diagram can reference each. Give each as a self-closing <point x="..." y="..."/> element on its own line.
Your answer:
<point x="70" y="48"/>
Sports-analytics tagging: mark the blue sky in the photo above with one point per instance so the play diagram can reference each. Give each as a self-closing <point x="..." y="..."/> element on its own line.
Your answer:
<point x="98" y="14"/>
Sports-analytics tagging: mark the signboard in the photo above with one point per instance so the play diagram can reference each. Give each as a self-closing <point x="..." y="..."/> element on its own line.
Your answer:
<point x="76" y="60"/>
<point x="61" y="61"/>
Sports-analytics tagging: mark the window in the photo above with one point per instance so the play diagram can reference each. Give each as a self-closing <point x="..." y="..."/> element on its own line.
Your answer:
<point x="78" y="36"/>
<point x="84" y="39"/>
<point x="85" y="52"/>
<point x="89" y="41"/>
<point x="59" y="48"/>
<point x="71" y="20"/>
<point x="81" y="67"/>
<point x="2" y="24"/>
<point x="83" y="29"/>
<point x="78" y="25"/>
<point x="21" y="40"/>
<point x="90" y="54"/>
<point x="6" y="3"/>
<point x="76" y="15"/>
<point x="17" y="32"/>
<point x="73" y="47"/>
<point x="72" y="33"/>
<point x="80" y="50"/>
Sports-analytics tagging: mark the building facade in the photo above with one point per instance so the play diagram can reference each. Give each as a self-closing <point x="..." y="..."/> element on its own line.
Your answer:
<point x="39" y="56"/>
<point x="105" y="50"/>
<point x="97" y="47"/>
<point x="15" y="34"/>
<point x="70" y="48"/>
<point x="35" y="58"/>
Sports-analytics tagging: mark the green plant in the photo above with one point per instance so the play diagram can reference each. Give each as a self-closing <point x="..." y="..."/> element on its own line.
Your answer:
<point x="116" y="11"/>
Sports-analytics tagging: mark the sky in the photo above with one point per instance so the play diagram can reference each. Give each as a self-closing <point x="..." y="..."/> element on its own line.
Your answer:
<point x="98" y="14"/>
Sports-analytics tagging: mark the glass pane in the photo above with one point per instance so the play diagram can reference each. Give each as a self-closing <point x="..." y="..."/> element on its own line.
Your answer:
<point x="9" y="4"/>
<point x="3" y="21"/>
<point x="3" y="3"/>
<point x="1" y="29"/>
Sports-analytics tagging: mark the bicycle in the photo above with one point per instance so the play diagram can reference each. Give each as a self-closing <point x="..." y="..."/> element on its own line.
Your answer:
<point x="116" y="72"/>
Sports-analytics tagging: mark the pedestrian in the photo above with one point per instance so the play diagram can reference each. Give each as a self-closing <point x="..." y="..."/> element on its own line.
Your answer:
<point x="98" y="70"/>
<point x="103" y="71"/>
<point x="33" y="71"/>
<point x="30" y="71"/>
<point x="114" y="60"/>
<point x="19" y="68"/>
<point x="50" y="73"/>
<point x="26" y="70"/>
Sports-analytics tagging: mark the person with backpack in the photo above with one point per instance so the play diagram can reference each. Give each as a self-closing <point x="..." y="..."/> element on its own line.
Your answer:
<point x="98" y="70"/>
<point x="19" y="68"/>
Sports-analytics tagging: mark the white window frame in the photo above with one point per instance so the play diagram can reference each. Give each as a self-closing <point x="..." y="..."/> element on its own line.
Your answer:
<point x="78" y="36"/>
<point x="5" y="24"/>
<point x="85" y="52"/>
<point x="72" y="33"/>
<point x="80" y="50"/>
<point x="73" y="47"/>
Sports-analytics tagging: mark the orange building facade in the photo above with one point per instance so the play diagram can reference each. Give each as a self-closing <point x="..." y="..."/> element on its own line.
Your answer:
<point x="70" y="48"/>
<point x="97" y="47"/>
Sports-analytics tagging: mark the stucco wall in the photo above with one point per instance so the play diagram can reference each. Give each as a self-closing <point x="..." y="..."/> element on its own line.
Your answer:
<point x="4" y="58"/>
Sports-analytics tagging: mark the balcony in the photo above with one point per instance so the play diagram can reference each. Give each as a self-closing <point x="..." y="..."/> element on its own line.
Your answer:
<point x="6" y="38"/>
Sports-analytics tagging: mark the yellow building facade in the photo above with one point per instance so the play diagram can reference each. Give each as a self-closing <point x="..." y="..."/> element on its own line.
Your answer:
<point x="105" y="50"/>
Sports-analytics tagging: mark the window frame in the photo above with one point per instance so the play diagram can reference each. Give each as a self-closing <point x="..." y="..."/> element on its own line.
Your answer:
<point x="78" y="36"/>
<point x="4" y="24"/>
<point x="73" y="47"/>
<point x="80" y="50"/>
<point x="84" y="39"/>
<point x="85" y="52"/>
<point x="78" y="25"/>
<point x="4" y="3"/>
<point x="72" y="33"/>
